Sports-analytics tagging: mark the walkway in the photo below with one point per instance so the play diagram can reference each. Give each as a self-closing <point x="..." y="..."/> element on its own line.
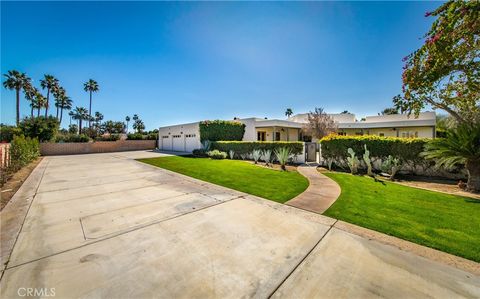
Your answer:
<point x="107" y="226"/>
<point x="320" y="194"/>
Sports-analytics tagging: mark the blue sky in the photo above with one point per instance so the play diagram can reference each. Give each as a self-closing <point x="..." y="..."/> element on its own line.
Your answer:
<point x="173" y="62"/>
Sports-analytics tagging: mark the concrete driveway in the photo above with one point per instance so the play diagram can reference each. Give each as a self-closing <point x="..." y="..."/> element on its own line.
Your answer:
<point x="107" y="226"/>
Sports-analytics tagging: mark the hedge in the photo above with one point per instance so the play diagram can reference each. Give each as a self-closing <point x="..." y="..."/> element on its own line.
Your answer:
<point x="407" y="149"/>
<point x="246" y="147"/>
<point x="22" y="151"/>
<point x="7" y="132"/>
<point x="221" y="130"/>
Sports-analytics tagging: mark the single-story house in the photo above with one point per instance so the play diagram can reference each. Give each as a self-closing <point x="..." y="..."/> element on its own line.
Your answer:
<point x="186" y="137"/>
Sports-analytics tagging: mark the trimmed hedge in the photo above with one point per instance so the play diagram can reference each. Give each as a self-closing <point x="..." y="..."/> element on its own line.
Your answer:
<point x="7" y="132"/>
<point x="60" y="138"/>
<point x="221" y="130"/>
<point x="246" y="147"/>
<point x="407" y="149"/>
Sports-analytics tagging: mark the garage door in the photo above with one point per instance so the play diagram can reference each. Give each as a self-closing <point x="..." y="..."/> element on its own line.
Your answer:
<point x="178" y="144"/>
<point x="166" y="143"/>
<point x="191" y="142"/>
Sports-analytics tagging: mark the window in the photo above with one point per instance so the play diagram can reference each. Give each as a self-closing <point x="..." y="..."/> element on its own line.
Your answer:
<point x="342" y="133"/>
<point x="177" y="136"/>
<point x="165" y="136"/>
<point x="277" y="136"/>
<point x="190" y="135"/>
<point x="381" y="134"/>
<point x="261" y="136"/>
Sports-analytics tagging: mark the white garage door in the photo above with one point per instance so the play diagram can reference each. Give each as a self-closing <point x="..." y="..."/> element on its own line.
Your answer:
<point x="178" y="144"/>
<point x="166" y="143"/>
<point x="191" y="142"/>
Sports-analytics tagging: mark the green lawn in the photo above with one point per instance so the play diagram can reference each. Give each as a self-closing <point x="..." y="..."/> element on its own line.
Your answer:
<point x="275" y="185"/>
<point x="446" y="222"/>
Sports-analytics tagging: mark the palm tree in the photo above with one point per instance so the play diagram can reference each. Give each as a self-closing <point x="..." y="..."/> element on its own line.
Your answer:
<point x="16" y="80"/>
<point x="98" y="119"/>
<point x="288" y="112"/>
<point x="71" y="115"/>
<point x="40" y="101"/>
<point x="80" y="114"/>
<point x="50" y="83"/>
<point x="29" y="92"/>
<point x="59" y="93"/>
<point x="90" y="86"/>
<point x="127" y="119"/>
<point x="65" y="104"/>
<point x="461" y="146"/>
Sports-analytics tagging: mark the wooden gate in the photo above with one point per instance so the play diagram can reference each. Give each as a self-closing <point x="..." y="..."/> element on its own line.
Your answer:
<point x="311" y="149"/>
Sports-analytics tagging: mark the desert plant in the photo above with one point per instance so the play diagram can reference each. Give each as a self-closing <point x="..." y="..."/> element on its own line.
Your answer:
<point x="353" y="161"/>
<point x="206" y="144"/>
<point x="231" y="153"/>
<point x="267" y="156"/>
<point x="283" y="154"/>
<point x="256" y="154"/>
<point x="329" y="163"/>
<point x="368" y="162"/>
<point x="246" y="147"/>
<point x="391" y="166"/>
<point x="217" y="155"/>
<point x="244" y="156"/>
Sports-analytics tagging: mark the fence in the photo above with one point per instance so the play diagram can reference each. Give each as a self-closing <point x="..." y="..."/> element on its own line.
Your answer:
<point x="71" y="148"/>
<point x="4" y="154"/>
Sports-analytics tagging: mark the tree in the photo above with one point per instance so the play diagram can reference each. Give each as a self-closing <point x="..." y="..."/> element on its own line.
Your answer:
<point x="288" y="112"/>
<point x="30" y="92"/>
<point x="80" y="114"/>
<point x="58" y="93"/>
<point x="40" y="101"/>
<point x="389" y="111"/>
<point x="127" y="119"/>
<point x="42" y="128"/>
<point x="65" y="103"/>
<point x="445" y="72"/>
<point x="98" y="119"/>
<point x="50" y="83"/>
<point x="16" y="81"/>
<point x="138" y="124"/>
<point x="345" y="112"/>
<point x="319" y="124"/>
<point x="90" y="86"/>
<point x="462" y="146"/>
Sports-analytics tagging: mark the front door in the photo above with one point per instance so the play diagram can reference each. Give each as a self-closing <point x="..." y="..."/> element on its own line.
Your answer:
<point x="261" y="136"/>
<point x="311" y="148"/>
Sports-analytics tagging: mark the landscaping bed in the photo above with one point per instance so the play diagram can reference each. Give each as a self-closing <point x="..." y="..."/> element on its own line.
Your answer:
<point x="275" y="185"/>
<point x="442" y="221"/>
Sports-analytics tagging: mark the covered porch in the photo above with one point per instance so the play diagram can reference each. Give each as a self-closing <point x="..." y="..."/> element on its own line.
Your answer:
<point x="277" y="130"/>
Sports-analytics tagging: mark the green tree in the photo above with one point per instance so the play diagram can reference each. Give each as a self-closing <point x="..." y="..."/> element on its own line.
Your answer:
<point x="80" y="114"/>
<point x="462" y="146"/>
<point x="445" y="72"/>
<point x="40" y="102"/>
<point x="65" y="103"/>
<point x="42" y="128"/>
<point x="50" y="83"/>
<point x="389" y="111"/>
<point x="127" y="119"/>
<point x="58" y="93"/>
<point x="345" y="112"/>
<point x="30" y="92"/>
<point x="90" y="86"/>
<point x="16" y="81"/>
<point x="288" y="112"/>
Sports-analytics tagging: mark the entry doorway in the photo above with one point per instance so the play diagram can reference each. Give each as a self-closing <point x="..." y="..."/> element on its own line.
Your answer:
<point x="261" y="136"/>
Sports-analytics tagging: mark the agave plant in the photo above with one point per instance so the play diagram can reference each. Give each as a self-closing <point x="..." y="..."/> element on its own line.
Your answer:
<point x="391" y="166"/>
<point x="231" y="154"/>
<point x="256" y="154"/>
<point x="206" y="144"/>
<point x="461" y="146"/>
<point x="267" y="156"/>
<point x="353" y="161"/>
<point x="283" y="154"/>
<point x="368" y="162"/>
<point x="243" y="156"/>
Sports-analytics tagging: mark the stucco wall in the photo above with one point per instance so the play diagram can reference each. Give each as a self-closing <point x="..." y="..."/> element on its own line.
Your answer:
<point x="292" y="134"/>
<point x="50" y="149"/>
<point x="189" y="137"/>
<point x="422" y="132"/>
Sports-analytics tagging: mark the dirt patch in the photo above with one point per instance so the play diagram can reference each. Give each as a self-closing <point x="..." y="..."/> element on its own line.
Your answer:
<point x="15" y="182"/>
<point x="272" y="166"/>
<point x="444" y="186"/>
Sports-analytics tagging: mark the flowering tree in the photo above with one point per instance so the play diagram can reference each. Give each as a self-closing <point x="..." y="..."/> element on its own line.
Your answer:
<point x="319" y="124"/>
<point x="445" y="72"/>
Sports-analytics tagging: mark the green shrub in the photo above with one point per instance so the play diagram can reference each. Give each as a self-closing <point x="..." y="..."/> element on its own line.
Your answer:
<point x="111" y="137"/>
<point x="200" y="152"/>
<point x="151" y="136"/>
<point x="407" y="149"/>
<point x="44" y="129"/>
<point x="7" y="132"/>
<point x="221" y="130"/>
<point x="216" y="154"/>
<point x="71" y="138"/>
<point x="135" y="136"/>
<point x="247" y="147"/>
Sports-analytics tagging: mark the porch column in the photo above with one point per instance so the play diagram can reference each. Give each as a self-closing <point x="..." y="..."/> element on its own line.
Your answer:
<point x="274" y="132"/>
<point x="288" y="137"/>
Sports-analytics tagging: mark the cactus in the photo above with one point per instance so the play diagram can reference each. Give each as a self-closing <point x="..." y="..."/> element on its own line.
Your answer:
<point x="391" y="166"/>
<point x="353" y="161"/>
<point x="231" y="153"/>
<point x="366" y="158"/>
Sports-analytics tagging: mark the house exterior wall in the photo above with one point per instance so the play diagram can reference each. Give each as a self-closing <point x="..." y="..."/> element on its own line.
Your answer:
<point x="183" y="138"/>
<point x="292" y="134"/>
<point x="417" y="132"/>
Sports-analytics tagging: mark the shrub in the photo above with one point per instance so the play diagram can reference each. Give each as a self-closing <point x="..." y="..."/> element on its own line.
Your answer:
<point x="22" y="151"/>
<point x="391" y="166"/>
<point x="216" y="154"/>
<point x="72" y="138"/>
<point x="246" y="147"/>
<point x="267" y="157"/>
<point x="283" y="154"/>
<point x="7" y="132"/>
<point x="111" y="137"/>
<point x="135" y="136"/>
<point x="73" y="129"/>
<point x="200" y="152"/>
<point x="44" y="129"/>
<point x="151" y="136"/>
<point x="256" y="154"/>
<point x="231" y="154"/>
<point x="221" y="130"/>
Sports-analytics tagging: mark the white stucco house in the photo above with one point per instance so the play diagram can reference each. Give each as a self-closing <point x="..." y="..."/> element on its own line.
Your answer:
<point x="186" y="137"/>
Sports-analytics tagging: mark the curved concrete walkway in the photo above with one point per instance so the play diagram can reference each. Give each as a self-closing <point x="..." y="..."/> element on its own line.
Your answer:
<point x="320" y="194"/>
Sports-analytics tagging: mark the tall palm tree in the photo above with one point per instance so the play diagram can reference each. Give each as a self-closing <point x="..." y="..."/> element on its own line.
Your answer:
<point x="59" y="93"/>
<point x="16" y="80"/>
<point x="40" y="101"/>
<point x="90" y="86"/>
<point x="461" y="146"/>
<point x="50" y="83"/>
<point x="30" y="94"/>
<point x="127" y="119"/>
<point x="70" y="113"/>
<point x="288" y="112"/>
<point x="80" y="114"/>
<point x="65" y="104"/>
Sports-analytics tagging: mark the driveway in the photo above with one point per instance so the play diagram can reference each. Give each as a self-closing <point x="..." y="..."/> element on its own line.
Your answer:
<point x="107" y="226"/>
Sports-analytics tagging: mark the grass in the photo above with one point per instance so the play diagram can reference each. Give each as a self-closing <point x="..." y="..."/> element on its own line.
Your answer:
<point x="445" y="222"/>
<point x="275" y="185"/>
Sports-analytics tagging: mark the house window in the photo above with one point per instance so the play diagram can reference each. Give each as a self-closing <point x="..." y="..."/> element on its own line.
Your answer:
<point x="342" y="133"/>
<point x="261" y="136"/>
<point x="277" y="136"/>
<point x="416" y="134"/>
<point x="381" y="134"/>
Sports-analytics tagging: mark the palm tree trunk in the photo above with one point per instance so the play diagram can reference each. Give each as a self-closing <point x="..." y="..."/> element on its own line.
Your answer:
<point x="90" y="111"/>
<point x="127" y="127"/>
<point x="57" y="112"/>
<point x="38" y="112"/>
<point x="31" y="112"/>
<point x="473" y="168"/>
<point x="46" y="105"/>
<point x="80" y="126"/>
<point x="18" y="106"/>
<point x="61" y="115"/>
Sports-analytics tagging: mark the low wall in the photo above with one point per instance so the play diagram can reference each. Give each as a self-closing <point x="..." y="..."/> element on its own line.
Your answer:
<point x="74" y="148"/>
